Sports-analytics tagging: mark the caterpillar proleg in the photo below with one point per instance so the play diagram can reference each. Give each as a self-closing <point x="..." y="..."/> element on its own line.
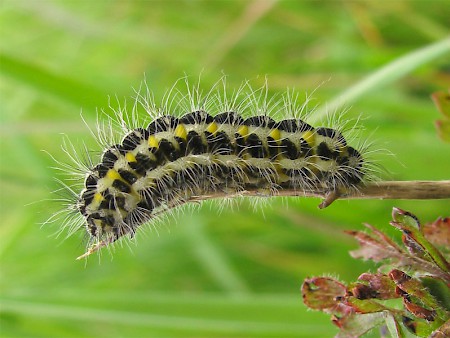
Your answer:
<point x="196" y="144"/>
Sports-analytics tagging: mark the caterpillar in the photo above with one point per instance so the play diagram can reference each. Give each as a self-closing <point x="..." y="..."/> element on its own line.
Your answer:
<point x="212" y="144"/>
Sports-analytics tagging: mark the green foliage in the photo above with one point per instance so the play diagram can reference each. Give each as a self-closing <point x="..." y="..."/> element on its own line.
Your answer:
<point x="206" y="274"/>
<point x="361" y="306"/>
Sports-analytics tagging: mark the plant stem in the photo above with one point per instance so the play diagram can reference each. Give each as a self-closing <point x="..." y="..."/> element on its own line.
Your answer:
<point x="375" y="190"/>
<point x="421" y="190"/>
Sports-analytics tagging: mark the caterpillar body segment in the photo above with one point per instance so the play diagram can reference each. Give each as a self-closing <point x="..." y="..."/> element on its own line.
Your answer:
<point x="174" y="159"/>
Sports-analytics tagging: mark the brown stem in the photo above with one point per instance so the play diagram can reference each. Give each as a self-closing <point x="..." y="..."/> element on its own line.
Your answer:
<point x="421" y="190"/>
<point x="375" y="190"/>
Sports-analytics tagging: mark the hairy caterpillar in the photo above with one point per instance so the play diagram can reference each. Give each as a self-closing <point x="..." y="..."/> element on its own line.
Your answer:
<point x="214" y="143"/>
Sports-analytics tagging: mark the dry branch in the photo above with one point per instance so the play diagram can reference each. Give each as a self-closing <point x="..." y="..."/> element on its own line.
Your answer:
<point x="420" y="190"/>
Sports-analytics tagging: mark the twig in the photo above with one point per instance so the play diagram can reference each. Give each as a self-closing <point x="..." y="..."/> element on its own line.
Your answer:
<point x="420" y="190"/>
<point x="409" y="190"/>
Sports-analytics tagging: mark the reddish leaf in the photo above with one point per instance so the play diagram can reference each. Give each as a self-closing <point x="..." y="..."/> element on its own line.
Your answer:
<point x="376" y="247"/>
<point x="381" y="283"/>
<point x="356" y="309"/>
<point x="417" y="298"/>
<point x="411" y="286"/>
<point x="419" y="311"/>
<point x="364" y="291"/>
<point x="413" y="247"/>
<point x="438" y="232"/>
<point x="416" y="241"/>
<point x="322" y="293"/>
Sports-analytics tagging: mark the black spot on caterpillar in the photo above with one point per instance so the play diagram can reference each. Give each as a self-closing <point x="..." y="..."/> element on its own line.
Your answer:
<point x="234" y="147"/>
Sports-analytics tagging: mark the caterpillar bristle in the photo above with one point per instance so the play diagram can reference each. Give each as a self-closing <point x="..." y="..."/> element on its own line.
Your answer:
<point x="196" y="144"/>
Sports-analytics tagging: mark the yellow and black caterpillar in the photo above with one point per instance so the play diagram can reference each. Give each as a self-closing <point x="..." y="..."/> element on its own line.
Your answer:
<point x="175" y="159"/>
<point x="197" y="146"/>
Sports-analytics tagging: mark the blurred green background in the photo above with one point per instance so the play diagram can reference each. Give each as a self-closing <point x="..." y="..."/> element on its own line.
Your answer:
<point x="202" y="274"/>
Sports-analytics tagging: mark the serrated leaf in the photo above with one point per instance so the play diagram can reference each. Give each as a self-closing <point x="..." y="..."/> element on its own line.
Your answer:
<point x="419" y="311"/>
<point x="381" y="283"/>
<point x="438" y="232"/>
<point x="376" y="247"/>
<point x="321" y="293"/>
<point x="358" y="324"/>
<point x="413" y="292"/>
<point x="416" y="241"/>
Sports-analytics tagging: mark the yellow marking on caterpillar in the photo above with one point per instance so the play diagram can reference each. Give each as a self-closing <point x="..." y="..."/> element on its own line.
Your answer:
<point x="98" y="198"/>
<point x="212" y="128"/>
<point x="113" y="175"/>
<point x="130" y="157"/>
<point x="243" y="131"/>
<point x="153" y="142"/>
<point x="180" y="131"/>
<point x="309" y="136"/>
<point x="275" y="134"/>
